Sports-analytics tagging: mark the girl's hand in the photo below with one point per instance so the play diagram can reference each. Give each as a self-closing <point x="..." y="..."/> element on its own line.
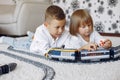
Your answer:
<point x="89" y="47"/>
<point x="107" y="44"/>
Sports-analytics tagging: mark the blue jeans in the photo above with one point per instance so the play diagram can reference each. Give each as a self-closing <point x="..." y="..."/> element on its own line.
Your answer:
<point x="16" y="43"/>
<point x="19" y="43"/>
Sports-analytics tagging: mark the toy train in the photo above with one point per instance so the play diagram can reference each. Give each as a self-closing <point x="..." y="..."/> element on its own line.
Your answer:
<point x="84" y="55"/>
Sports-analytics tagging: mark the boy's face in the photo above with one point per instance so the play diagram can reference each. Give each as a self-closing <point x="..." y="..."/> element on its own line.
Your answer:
<point x="56" y="27"/>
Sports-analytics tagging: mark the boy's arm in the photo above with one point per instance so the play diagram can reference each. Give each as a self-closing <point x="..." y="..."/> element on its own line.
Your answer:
<point x="39" y="43"/>
<point x="39" y="47"/>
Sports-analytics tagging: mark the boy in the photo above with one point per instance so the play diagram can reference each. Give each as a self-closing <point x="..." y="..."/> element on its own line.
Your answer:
<point x="51" y="33"/>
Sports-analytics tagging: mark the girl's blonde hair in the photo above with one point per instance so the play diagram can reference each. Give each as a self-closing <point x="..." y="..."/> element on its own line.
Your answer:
<point x="78" y="19"/>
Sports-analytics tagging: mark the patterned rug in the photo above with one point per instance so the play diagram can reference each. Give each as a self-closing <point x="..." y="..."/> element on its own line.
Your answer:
<point x="35" y="67"/>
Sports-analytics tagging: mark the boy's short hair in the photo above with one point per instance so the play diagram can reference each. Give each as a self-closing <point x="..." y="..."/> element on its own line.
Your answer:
<point x="54" y="12"/>
<point x="78" y="19"/>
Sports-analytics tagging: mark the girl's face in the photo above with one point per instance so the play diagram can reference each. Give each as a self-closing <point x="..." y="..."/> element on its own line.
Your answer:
<point x="85" y="30"/>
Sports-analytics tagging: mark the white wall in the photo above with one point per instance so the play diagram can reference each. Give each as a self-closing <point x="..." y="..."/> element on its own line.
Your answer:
<point x="105" y="13"/>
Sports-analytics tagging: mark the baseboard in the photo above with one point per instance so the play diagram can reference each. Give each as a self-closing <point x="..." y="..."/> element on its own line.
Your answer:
<point x="111" y="34"/>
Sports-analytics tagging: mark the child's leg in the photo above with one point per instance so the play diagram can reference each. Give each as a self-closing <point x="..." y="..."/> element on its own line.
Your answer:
<point x="25" y="43"/>
<point x="30" y="34"/>
<point x="7" y="40"/>
<point x="21" y="44"/>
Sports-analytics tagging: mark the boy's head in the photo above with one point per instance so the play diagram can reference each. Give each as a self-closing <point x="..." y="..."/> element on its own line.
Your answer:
<point x="55" y="20"/>
<point x="81" y="23"/>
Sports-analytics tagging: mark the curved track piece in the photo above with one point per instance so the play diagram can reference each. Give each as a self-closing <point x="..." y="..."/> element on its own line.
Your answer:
<point x="37" y="55"/>
<point x="49" y="71"/>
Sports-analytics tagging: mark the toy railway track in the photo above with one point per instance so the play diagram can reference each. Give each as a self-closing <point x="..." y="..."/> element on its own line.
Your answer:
<point x="68" y="55"/>
<point x="72" y="55"/>
<point x="98" y="55"/>
<point x="49" y="71"/>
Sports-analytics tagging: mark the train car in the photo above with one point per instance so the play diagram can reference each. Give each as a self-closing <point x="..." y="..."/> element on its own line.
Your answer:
<point x="115" y="52"/>
<point x="60" y="53"/>
<point x="72" y="54"/>
<point x="101" y="54"/>
<point x="96" y="55"/>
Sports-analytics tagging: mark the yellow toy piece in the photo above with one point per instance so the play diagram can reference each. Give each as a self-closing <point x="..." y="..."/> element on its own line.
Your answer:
<point x="63" y="49"/>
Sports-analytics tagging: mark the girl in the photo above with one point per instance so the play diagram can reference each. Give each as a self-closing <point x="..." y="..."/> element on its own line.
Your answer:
<point x="83" y="34"/>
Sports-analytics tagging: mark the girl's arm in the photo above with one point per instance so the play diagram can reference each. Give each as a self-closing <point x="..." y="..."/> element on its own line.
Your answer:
<point x="106" y="44"/>
<point x="89" y="47"/>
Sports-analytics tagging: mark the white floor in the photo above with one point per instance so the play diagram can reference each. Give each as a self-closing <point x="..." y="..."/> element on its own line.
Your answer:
<point x="64" y="71"/>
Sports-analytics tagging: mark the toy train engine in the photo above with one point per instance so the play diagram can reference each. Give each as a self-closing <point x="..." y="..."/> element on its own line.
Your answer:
<point x="67" y="54"/>
<point x="84" y="55"/>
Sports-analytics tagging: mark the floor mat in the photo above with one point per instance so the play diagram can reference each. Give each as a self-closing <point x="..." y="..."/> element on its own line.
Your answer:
<point x="71" y="71"/>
